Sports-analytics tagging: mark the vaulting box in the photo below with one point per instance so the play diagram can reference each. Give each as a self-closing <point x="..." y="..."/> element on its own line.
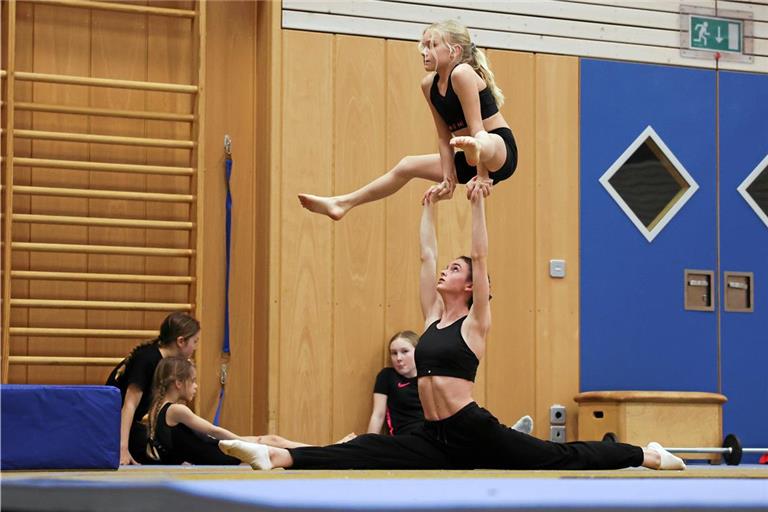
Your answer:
<point x="59" y="427"/>
<point x="672" y="418"/>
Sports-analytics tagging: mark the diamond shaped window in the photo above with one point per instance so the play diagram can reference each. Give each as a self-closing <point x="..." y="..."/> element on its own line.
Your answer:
<point x="649" y="183"/>
<point x="754" y="189"/>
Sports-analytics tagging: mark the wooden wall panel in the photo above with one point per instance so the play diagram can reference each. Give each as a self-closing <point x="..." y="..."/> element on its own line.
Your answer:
<point x="22" y="176"/>
<point x="358" y="242"/>
<point x="306" y="311"/>
<point x="118" y="50"/>
<point x="169" y="59"/>
<point x="268" y="120"/>
<point x="409" y="131"/>
<point x="61" y="38"/>
<point x="510" y="216"/>
<point x="332" y="293"/>
<point x="230" y="58"/>
<point x="532" y="357"/>
<point x="557" y="235"/>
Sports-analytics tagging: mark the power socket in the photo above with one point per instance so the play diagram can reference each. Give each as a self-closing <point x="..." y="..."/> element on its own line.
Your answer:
<point x="557" y="415"/>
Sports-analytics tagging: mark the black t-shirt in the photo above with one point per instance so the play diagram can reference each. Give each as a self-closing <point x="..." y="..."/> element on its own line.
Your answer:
<point x="404" y="413"/>
<point x="138" y="370"/>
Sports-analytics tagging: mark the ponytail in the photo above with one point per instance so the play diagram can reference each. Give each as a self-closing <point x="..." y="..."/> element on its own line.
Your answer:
<point x="479" y="63"/>
<point x="169" y="371"/>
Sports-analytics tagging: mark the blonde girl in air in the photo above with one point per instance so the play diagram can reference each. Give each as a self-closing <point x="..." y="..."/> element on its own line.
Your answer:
<point x="475" y="143"/>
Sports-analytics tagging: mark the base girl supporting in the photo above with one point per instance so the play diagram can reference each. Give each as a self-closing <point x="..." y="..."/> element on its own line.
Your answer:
<point x="457" y="433"/>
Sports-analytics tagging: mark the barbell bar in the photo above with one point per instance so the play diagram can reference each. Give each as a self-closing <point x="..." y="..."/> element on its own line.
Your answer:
<point x="731" y="450"/>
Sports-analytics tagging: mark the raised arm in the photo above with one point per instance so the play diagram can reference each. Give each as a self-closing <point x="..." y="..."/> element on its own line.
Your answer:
<point x="431" y="303"/>
<point x="479" y="320"/>
<point x="443" y="142"/>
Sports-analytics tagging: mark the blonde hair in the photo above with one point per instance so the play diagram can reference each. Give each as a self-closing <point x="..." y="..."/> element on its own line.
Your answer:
<point x="453" y="32"/>
<point x="409" y="336"/>
<point x="168" y="372"/>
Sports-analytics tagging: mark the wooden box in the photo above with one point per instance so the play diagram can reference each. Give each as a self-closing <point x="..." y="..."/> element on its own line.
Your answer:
<point x="672" y="418"/>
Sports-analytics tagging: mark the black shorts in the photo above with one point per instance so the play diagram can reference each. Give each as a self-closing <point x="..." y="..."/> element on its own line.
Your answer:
<point x="465" y="172"/>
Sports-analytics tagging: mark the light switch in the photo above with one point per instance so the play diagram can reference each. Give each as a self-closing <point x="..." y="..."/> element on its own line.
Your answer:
<point x="557" y="268"/>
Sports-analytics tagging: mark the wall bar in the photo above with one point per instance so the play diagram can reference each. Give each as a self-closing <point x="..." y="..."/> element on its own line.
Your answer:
<point x="104" y="82"/>
<point x="101" y="249"/>
<point x="78" y="165"/>
<point x="103" y="194"/>
<point x="99" y="304"/>
<point x="106" y="112"/>
<point x="104" y="139"/>
<point x="94" y="277"/>
<point x="65" y="361"/>
<point x="102" y="222"/>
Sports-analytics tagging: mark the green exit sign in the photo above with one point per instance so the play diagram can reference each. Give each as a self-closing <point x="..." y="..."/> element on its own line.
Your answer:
<point x="716" y="34"/>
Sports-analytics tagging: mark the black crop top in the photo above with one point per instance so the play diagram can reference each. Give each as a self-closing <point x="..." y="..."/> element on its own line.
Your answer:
<point x="444" y="352"/>
<point x="449" y="106"/>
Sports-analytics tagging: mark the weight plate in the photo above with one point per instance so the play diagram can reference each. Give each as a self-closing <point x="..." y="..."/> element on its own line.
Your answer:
<point x="732" y="442"/>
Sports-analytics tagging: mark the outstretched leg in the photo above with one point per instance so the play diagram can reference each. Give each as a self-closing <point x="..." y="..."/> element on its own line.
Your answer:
<point x="422" y="166"/>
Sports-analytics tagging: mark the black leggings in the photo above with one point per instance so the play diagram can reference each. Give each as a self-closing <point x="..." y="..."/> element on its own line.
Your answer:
<point x="465" y="172"/>
<point x="470" y="439"/>
<point x="189" y="446"/>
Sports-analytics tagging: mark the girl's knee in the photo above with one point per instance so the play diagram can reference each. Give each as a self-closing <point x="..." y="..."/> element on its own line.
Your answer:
<point x="405" y="167"/>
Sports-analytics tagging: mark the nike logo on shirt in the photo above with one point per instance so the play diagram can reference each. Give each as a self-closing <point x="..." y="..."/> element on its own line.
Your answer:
<point x="403" y="384"/>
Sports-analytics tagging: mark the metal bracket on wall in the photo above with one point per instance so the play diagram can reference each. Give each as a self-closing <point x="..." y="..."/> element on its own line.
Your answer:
<point x="739" y="292"/>
<point x="698" y="290"/>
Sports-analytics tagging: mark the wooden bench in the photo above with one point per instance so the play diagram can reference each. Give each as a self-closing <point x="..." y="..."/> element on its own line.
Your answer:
<point x="673" y="418"/>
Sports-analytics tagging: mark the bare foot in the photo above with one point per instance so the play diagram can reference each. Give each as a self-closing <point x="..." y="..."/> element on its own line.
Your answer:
<point x="470" y="146"/>
<point x="325" y="205"/>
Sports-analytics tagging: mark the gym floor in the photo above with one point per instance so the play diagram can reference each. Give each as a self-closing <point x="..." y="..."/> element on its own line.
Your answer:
<point x="192" y="488"/>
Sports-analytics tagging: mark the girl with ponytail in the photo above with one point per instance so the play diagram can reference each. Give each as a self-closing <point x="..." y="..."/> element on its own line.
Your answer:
<point x="178" y="336"/>
<point x="476" y="145"/>
<point x="176" y="434"/>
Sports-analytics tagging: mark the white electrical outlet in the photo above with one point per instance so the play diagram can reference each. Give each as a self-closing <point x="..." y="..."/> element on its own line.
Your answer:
<point x="557" y="268"/>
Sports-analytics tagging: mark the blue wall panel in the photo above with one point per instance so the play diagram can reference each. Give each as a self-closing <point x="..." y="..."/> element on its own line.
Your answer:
<point x="744" y="248"/>
<point x="635" y="333"/>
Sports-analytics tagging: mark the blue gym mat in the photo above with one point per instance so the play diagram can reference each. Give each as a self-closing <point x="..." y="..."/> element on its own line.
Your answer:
<point x="539" y="494"/>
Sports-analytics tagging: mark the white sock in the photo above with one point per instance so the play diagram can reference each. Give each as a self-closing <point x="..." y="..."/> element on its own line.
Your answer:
<point x="257" y="455"/>
<point x="524" y="425"/>
<point x="668" y="460"/>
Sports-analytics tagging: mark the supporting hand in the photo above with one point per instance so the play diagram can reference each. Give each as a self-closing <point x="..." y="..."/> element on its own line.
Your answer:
<point x="126" y="458"/>
<point x="479" y="185"/>
<point x="438" y="192"/>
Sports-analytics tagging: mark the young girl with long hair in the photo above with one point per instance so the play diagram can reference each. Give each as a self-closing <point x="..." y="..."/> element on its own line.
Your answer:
<point x="464" y="99"/>
<point x="176" y="434"/>
<point x="178" y="336"/>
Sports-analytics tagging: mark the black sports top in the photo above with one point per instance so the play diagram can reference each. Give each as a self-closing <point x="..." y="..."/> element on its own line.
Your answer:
<point x="444" y="352"/>
<point x="180" y="444"/>
<point x="404" y="414"/>
<point x="449" y="106"/>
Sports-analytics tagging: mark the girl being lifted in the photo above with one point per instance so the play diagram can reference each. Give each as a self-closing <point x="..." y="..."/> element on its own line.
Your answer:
<point x="465" y="100"/>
